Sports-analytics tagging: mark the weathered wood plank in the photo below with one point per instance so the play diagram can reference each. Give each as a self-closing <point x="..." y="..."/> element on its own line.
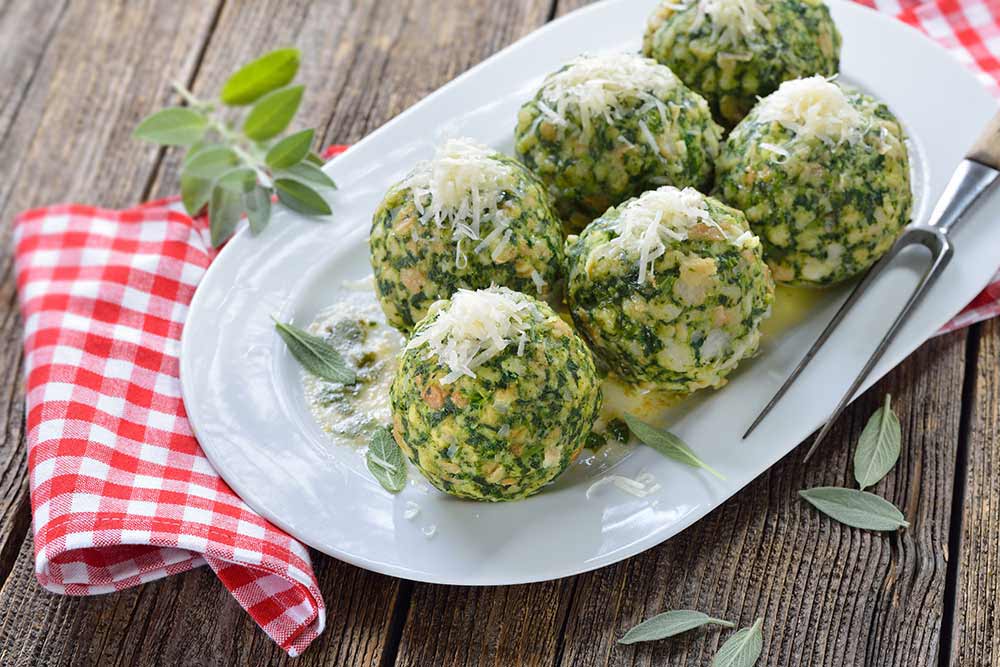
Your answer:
<point x="976" y="641"/>
<point x="23" y="54"/>
<point x="184" y="620"/>
<point x="829" y="595"/>
<point x="458" y="625"/>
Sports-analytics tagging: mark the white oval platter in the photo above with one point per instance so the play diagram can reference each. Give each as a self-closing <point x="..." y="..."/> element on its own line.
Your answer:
<point x="243" y="393"/>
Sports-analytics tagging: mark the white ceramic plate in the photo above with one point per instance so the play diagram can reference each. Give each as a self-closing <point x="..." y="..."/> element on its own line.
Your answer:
<point x="242" y="391"/>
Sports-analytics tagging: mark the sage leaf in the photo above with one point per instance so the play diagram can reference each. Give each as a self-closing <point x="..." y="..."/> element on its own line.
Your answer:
<point x="290" y="151"/>
<point x="667" y="444"/>
<point x="272" y="113"/>
<point x="193" y="150"/>
<point x="195" y="193"/>
<point x="855" y="508"/>
<point x="211" y="162"/>
<point x="239" y="180"/>
<point x="224" y="210"/>
<point x="315" y="159"/>
<point x="300" y="197"/>
<point x="878" y="447"/>
<point x="742" y="649"/>
<point x="226" y="204"/>
<point x="259" y="77"/>
<point x="257" y="203"/>
<point x="385" y="461"/>
<point x="315" y="354"/>
<point x="668" y="624"/>
<point x="309" y="174"/>
<point x="173" y="126"/>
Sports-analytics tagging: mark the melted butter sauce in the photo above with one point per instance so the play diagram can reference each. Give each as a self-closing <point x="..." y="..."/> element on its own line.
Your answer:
<point x="356" y="327"/>
<point x="791" y="306"/>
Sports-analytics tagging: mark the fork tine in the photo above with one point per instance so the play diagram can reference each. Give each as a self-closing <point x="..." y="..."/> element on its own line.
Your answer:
<point x="856" y="293"/>
<point x="941" y="259"/>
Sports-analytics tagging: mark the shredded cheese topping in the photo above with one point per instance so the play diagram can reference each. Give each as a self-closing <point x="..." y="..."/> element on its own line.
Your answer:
<point x="597" y="86"/>
<point x="477" y="326"/>
<point x="814" y="107"/>
<point x="648" y="225"/>
<point x="733" y="21"/>
<point x="463" y="186"/>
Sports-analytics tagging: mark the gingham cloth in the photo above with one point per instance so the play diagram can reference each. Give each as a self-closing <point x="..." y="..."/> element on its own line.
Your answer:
<point x="121" y="493"/>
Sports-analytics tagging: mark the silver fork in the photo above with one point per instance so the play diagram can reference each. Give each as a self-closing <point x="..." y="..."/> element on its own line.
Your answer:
<point x="974" y="176"/>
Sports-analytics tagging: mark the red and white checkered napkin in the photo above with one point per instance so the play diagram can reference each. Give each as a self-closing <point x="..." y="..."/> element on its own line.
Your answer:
<point x="121" y="492"/>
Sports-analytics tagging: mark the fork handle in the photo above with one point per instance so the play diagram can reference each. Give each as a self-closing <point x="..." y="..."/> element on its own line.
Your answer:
<point x="970" y="180"/>
<point x="986" y="150"/>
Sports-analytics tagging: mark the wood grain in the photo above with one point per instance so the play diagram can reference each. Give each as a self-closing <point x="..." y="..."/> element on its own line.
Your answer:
<point x="509" y="625"/>
<point x="976" y="640"/>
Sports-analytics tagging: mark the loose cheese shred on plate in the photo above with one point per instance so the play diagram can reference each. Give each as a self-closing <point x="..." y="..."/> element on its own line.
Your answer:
<point x="463" y="186"/>
<point x="814" y="107"/>
<point x="733" y="21"/>
<point x="596" y="86"/>
<point x="640" y="487"/>
<point x="411" y="511"/>
<point x="476" y="327"/>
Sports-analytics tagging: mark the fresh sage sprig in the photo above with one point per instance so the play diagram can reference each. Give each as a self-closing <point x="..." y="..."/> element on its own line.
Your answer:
<point x="669" y="624"/>
<point x="667" y="444"/>
<point x="743" y="648"/>
<point x="855" y="508"/>
<point x="878" y="448"/>
<point x="235" y="168"/>
<point x="315" y="354"/>
<point x="385" y="461"/>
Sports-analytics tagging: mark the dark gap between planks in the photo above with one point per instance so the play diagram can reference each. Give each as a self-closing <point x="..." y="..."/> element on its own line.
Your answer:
<point x="958" y="498"/>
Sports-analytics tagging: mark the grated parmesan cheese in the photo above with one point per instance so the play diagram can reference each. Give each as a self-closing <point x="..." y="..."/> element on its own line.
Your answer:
<point x="814" y="107"/>
<point x="536" y="278"/>
<point x="597" y="86"/>
<point x="477" y="326"/>
<point x="463" y="186"/>
<point x="776" y="149"/>
<point x="733" y="22"/>
<point x="647" y="225"/>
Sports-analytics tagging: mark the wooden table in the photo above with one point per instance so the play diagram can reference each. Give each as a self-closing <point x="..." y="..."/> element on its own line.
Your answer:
<point x="76" y="78"/>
